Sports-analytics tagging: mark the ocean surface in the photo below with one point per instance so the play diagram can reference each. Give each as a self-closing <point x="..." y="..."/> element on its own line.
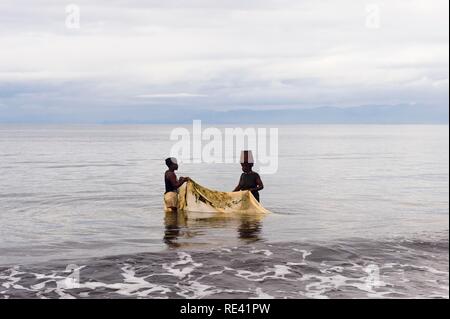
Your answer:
<point x="359" y="211"/>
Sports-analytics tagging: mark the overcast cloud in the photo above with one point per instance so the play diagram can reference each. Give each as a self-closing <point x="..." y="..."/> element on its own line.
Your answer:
<point x="220" y="55"/>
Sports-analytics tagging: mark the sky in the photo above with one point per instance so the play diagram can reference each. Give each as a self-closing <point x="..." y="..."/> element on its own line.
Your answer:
<point x="130" y="59"/>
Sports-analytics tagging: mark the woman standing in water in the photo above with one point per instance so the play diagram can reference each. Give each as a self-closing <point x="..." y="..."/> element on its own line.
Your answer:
<point x="249" y="180"/>
<point x="172" y="184"/>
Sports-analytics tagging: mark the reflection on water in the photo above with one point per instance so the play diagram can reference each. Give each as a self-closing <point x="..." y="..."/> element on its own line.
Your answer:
<point x="173" y="222"/>
<point x="177" y="226"/>
<point x="249" y="230"/>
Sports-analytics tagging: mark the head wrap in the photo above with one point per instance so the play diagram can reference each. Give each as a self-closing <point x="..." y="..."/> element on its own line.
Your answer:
<point x="171" y="160"/>
<point x="247" y="157"/>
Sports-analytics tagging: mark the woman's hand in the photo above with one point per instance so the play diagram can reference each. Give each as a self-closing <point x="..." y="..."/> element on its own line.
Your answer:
<point x="184" y="179"/>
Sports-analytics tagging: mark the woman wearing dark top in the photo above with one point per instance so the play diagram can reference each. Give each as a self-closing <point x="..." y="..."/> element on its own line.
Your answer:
<point x="249" y="180"/>
<point x="172" y="184"/>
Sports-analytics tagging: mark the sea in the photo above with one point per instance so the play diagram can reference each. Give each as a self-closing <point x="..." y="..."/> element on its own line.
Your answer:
<point x="358" y="211"/>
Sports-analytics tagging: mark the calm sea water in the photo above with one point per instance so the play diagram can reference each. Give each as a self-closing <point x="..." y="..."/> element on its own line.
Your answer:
<point x="359" y="211"/>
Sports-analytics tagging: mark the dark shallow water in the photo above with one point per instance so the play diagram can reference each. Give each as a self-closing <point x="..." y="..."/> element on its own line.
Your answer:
<point x="353" y="268"/>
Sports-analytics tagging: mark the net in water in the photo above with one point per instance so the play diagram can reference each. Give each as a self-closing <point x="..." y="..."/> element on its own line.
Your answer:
<point x="198" y="201"/>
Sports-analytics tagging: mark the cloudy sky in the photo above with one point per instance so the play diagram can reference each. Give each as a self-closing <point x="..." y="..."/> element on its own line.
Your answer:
<point x="128" y="57"/>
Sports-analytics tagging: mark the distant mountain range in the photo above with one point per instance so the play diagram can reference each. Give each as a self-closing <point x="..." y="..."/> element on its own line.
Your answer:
<point x="398" y="114"/>
<point x="374" y="114"/>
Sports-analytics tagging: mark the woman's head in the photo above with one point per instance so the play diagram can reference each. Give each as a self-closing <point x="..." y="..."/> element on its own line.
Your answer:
<point x="246" y="167"/>
<point x="172" y="163"/>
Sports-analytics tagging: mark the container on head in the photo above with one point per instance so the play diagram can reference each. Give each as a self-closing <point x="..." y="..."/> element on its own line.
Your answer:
<point x="247" y="157"/>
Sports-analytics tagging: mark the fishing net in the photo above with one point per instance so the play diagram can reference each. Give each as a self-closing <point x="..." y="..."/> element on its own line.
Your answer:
<point x="200" y="202"/>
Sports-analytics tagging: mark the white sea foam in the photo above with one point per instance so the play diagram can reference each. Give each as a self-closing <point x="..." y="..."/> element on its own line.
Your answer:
<point x="305" y="253"/>
<point x="279" y="272"/>
<point x="216" y="274"/>
<point x="185" y="259"/>
<point x="261" y="294"/>
<point x="131" y="286"/>
<point x="263" y="251"/>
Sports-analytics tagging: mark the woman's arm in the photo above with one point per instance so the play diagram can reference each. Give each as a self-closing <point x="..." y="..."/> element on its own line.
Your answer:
<point x="259" y="184"/>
